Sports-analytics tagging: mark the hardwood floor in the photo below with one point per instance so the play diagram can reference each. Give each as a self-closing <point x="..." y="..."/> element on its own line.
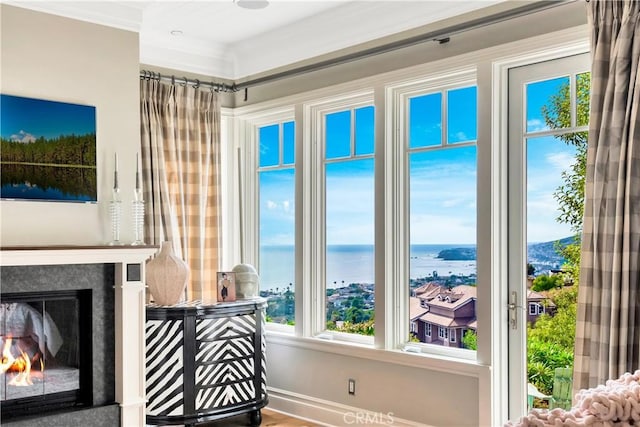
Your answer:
<point x="269" y="419"/>
<point x="276" y="419"/>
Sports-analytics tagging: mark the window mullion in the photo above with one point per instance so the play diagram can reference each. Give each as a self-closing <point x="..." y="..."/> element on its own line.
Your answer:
<point x="444" y="114"/>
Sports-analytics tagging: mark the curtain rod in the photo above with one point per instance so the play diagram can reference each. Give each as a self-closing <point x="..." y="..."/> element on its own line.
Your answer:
<point x="440" y="36"/>
<point x="216" y="87"/>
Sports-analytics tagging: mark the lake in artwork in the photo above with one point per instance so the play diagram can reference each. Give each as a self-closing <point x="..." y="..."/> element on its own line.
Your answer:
<point x="47" y="150"/>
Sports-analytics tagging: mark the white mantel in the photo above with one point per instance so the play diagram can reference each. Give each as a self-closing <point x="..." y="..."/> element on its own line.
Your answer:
<point x="129" y="310"/>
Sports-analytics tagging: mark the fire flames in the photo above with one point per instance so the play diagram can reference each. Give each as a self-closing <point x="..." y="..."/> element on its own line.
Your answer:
<point x="20" y="365"/>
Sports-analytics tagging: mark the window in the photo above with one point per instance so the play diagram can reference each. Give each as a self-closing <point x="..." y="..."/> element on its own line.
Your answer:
<point x="427" y="330"/>
<point x="443" y="332"/>
<point x="434" y="207"/>
<point x="348" y="170"/>
<point x="414" y="327"/>
<point x="452" y="335"/>
<point x="276" y="186"/>
<point x="440" y="122"/>
<point x="533" y="308"/>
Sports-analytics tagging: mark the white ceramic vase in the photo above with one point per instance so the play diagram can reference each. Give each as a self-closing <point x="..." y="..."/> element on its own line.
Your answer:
<point x="167" y="276"/>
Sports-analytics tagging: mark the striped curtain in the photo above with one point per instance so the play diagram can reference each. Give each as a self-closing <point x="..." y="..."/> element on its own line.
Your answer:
<point x="180" y="127"/>
<point x="608" y="318"/>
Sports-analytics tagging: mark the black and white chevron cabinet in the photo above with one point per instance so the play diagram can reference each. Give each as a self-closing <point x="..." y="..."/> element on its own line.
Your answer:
<point x="205" y="362"/>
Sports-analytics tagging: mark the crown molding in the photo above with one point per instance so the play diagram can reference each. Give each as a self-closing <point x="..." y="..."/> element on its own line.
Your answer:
<point x="334" y="30"/>
<point x="117" y="14"/>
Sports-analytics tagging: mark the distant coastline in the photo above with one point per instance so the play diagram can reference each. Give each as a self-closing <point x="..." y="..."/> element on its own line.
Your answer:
<point x="348" y="264"/>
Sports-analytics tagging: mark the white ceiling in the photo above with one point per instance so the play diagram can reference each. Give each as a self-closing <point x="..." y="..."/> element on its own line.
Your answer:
<point x="220" y="39"/>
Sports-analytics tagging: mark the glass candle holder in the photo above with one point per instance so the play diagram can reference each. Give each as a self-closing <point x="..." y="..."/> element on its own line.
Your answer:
<point x="138" y="217"/>
<point x="115" y="214"/>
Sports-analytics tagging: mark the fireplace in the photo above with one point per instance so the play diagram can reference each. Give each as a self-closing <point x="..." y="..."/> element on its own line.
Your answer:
<point x="46" y="360"/>
<point x="71" y="308"/>
<point x="105" y="287"/>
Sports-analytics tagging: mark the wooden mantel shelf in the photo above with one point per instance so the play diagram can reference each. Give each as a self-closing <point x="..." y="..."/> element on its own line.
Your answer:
<point x="72" y="254"/>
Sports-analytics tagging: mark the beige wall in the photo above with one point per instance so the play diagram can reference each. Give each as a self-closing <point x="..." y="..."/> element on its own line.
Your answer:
<point x="53" y="58"/>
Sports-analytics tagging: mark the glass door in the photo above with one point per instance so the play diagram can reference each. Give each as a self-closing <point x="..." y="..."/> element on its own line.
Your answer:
<point x="548" y="124"/>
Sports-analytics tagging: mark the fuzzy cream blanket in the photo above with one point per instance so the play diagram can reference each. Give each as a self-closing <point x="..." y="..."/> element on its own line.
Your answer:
<point x="615" y="404"/>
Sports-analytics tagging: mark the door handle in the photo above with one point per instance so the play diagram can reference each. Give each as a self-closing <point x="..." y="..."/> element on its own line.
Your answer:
<point x="513" y="306"/>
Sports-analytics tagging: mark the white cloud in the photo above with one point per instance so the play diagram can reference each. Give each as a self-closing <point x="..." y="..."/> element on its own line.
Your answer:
<point x="22" y="136"/>
<point x="536" y="125"/>
<point x="461" y="136"/>
<point x="279" y="208"/>
<point x="560" y="161"/>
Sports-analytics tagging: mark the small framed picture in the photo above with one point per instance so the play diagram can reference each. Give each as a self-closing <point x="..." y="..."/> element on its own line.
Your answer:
<point x="226" y="286"/>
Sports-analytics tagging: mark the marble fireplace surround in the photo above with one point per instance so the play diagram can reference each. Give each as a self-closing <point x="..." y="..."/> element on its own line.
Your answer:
<point x="127" y="274"/>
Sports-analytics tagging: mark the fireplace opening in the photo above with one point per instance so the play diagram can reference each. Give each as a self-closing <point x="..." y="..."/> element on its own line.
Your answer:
<point x="46" y="352"/>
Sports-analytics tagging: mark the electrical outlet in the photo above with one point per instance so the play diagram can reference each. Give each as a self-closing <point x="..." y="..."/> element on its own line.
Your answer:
<point x="352" y="386"/>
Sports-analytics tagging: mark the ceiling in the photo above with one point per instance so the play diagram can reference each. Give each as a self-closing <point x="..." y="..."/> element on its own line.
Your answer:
<point x="220" y="39"/>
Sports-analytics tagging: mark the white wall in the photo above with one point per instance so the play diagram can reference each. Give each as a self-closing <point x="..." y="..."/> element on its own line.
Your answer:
<point x="59" y="59"/>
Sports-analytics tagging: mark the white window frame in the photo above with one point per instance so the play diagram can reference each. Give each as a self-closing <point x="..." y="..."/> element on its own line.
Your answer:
<point x="452" y="335"/>
<point x="443" y="333"/>
<point x="397" y="153"/>
<point x="427" y="330"/>
<point x="314" y="114"/>
<point x="515" y="202"/>
<point x="533" y="309"/>
<point x="247" y="141"/>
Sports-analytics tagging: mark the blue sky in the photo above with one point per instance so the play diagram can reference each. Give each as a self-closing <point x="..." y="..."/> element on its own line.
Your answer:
<point x="443" y="181"/>
<point x="27" y="119"/>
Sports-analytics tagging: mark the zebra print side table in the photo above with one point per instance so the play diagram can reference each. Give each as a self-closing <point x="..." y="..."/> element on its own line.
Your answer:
<point x="205" y="362"/>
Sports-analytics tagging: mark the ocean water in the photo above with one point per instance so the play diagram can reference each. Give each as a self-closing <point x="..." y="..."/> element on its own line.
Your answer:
<point x="354" y="264"/>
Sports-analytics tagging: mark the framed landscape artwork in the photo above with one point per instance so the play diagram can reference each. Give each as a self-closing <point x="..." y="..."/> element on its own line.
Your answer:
<point x="47" y="150"/>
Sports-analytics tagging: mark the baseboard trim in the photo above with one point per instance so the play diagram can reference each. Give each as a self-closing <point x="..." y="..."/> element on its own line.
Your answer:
<point x="327" y="413"/>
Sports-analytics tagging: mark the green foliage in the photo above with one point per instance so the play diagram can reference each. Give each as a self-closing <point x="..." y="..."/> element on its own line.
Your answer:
<point x="550" y="342"/>
<point x="543" y="357"/>
<point x="470" y="340"/>
<point x="69" y="150"/>
<point x="557" y="115"/>
<point x="571" y="254"/>
<point x="561" y="327"/>
<point x="362" y="328"/>
<point x="545" y="282"/>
